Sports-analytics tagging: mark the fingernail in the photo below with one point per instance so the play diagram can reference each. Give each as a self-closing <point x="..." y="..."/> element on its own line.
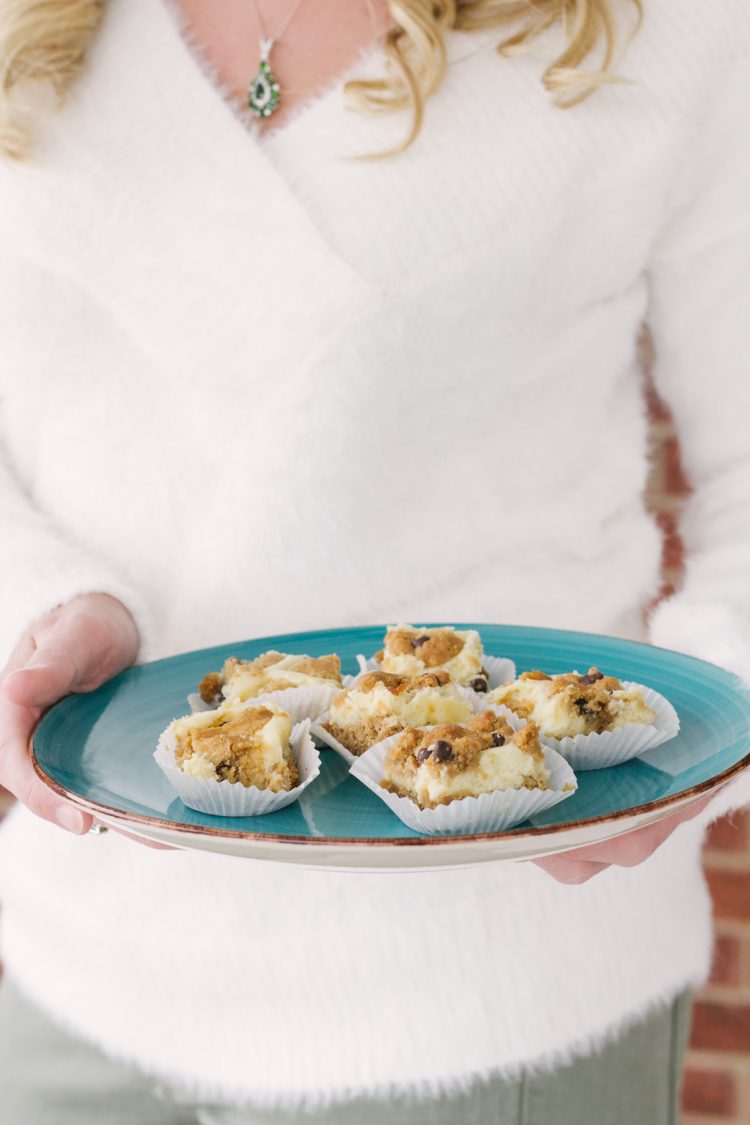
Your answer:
<point x="19" y="674"/>
<point x="69" y="818"/>
<point x="31" y="667"/>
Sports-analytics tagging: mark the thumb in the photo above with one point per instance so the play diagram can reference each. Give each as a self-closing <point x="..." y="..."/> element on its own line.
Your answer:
<point x="77" y="653"/>
<point x="46" y="677"/>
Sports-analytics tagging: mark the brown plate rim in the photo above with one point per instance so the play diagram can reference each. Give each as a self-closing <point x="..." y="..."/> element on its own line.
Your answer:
<point x="708" y="786"/>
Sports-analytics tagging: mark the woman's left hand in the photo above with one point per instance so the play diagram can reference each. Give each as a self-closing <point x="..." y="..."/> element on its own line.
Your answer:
<point x="628" y="850"/>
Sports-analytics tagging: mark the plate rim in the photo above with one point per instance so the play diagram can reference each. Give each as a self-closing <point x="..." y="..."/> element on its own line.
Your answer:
<point x="710" y="785"/>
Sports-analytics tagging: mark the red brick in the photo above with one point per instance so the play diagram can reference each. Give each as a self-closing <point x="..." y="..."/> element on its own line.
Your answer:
<point x="730" y="891"/>
<point x="720" y="1027"/>
<point x="745" y="973"/>
<point x="729" y="834"/>
<point x="725" y="968"/>
<point x="709" y="1091"/>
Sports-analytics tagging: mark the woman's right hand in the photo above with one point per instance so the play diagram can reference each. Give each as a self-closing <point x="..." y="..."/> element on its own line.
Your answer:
<point x="75" y="648"/>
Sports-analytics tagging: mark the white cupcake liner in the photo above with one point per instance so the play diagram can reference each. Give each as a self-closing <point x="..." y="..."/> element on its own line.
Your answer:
<point x="498" y="668"/>
<point x="321" y="735"/>
<point x="308" y="701"/>
<point x="228" y="798"/>
<point x="477" y="702"/>
<point x="599" y="751"/>
<point x="490" y="812"/>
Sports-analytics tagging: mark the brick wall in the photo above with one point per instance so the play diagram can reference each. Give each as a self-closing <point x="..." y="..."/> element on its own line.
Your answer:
<point x="717" y="1080"/>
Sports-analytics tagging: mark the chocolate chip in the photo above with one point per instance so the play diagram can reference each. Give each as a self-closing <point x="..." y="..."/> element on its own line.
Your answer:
<point x="590" y="677"/>
<point x="210" y="688"/>
<point x="582" y="707"/>
<point x="478" y="684"/>
<point x="498" y="739"/>
<point x="441" y="750"/>
<point x="423" y="754"/>
<point x="417" y="642"/>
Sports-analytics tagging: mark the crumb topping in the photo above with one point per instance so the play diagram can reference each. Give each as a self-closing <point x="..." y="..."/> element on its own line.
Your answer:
<point x="234" y="747"/>
<point x="590" y="694"/>
<point x="399" y="685"/>
<point x="318" y="667"/>
<point x="572" y="703"/>
<point x="457" y="747"/>
<point x="210" y="687"/>
<point x="380" y="704"/>
<point x="324" y="667"/>
<point x="432" y="647"/>
<point x="257" y="664"/>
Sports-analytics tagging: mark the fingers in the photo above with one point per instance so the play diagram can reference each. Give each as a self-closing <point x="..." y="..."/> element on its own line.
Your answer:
<point x="76" y="647"/>
<point x="75" y="650"/>
<point x="47" y="677"/>
<point x="570" y="871"/>
<point x="97" y="642"/>
<point x="627" y="850"/>
<point x="694" y="809"/>
<point x="17" y="773"/>
<point x="22" y="652"/>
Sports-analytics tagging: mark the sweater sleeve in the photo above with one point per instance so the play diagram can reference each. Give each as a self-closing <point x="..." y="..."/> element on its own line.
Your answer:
<point x="700" y="322"/>
<point x="41" y="567"/>
<point x="41" y="564"/>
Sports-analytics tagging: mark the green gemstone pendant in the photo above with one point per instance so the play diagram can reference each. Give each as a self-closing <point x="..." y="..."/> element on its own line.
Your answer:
<point x="264" y="93"/>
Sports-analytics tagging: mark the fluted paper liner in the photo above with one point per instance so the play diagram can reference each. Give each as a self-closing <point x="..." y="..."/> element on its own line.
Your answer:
<point x="498" y="668"/>
<point x="490" y="812"/>
<point x="600" y="750"/>
<point x="308" y="701"/>
<point x="477" y="702"/>
<point x="228" y="798"/>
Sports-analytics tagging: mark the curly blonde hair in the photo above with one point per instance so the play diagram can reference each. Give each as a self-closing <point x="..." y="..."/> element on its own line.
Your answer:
<point x="46" y="41"/>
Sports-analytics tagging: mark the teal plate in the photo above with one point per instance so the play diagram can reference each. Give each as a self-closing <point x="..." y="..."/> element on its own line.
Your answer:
<point x="97" y="749"/>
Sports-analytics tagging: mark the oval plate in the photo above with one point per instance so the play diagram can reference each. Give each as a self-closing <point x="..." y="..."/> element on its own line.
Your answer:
<point x="96" y="749"/>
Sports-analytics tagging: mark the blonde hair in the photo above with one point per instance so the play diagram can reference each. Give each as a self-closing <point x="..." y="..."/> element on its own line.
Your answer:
<point x="46" y="41"/>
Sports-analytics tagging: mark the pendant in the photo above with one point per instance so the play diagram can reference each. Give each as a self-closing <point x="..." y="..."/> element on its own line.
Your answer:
<point x="264" y="93"/>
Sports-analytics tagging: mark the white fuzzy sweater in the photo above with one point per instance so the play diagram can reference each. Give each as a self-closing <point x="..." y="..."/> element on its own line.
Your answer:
<point x="251" y="385"/>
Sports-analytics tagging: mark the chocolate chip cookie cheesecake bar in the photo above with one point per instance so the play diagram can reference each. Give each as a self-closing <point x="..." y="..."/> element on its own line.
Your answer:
<point x="245" y="745"/>
<point x="571" y="704"/>
<point x="451" y="761"/>
<point x="272" y="671"/>
<point x="380" y="704"/>
<point x="409" y="652"/>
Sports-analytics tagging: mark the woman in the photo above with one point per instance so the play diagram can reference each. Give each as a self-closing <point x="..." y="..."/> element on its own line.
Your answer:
<point x="255" y="383"/>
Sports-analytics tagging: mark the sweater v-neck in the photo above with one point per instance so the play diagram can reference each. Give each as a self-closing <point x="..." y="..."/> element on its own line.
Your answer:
<point x="269" y="138"/>
<point x="198" y="199"/>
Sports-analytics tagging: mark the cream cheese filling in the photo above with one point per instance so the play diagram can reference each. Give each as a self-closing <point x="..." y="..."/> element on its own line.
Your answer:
<point x="244" y="683"/>
<point x="553" y="713"/>
<point x="425" y="707"/>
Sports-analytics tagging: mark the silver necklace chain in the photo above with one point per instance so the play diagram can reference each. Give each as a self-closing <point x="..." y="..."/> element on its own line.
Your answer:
<point x="264" y="91"/>
<point x="267" y="41"/>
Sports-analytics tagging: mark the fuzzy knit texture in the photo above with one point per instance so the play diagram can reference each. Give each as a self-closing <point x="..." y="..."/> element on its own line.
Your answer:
<point x="250" y="384"/>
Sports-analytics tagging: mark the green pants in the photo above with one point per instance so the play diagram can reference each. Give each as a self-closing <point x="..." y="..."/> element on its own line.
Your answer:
<point x="49" y="1078"/>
